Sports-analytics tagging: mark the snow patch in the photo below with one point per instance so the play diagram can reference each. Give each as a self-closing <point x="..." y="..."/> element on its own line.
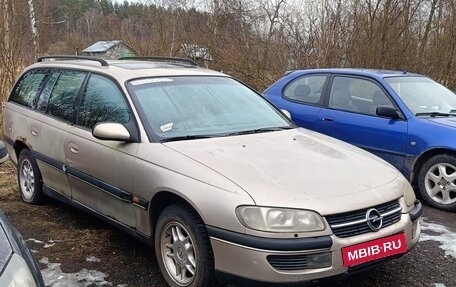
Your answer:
<point x="50" y="242"/>
<point x="44" y="260"/>
<point x="54" y="277"/>
<point x="92" y="259"/>
<point x="443" y="235"/>
<point x="35" y="240"/>
<point x="439" y="285"/>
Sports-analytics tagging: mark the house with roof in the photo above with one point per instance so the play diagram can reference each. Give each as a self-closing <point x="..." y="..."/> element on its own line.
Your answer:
<point x="109" y="50"/>
<point x="197" y="53"/>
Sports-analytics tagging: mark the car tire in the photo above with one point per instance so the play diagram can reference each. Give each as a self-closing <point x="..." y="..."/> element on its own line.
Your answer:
<point x="437" y="182"/>
<point x="182" y="248"/>
<point x="29" y="178"/>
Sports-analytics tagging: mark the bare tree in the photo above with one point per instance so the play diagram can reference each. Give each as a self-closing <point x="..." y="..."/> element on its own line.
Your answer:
<point x="33" y="26"/>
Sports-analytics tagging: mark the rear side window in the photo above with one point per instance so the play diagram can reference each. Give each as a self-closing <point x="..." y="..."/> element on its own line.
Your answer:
<point x="46" y="92"/>
<point x="28" y="87"/>
<point x="65" y="91"/>
<point x="306" y="89"/>
<point x="102" y="102"/>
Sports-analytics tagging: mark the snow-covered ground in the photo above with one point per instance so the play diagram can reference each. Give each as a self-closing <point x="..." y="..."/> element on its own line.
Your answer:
<point x="439" y="233"/>
<point x="54" y="276"/>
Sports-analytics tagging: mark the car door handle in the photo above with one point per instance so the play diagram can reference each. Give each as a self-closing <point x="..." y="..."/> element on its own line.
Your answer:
<point x="327" y="119"/>
<point x="34" y="130"/>
<point x="73" y="148"/>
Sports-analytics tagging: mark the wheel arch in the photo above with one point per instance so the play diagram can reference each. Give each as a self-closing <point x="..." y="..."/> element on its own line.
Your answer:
<point x="163" y="199"/>
<point x="18" y="146"/>
<point x="425" y="156"/>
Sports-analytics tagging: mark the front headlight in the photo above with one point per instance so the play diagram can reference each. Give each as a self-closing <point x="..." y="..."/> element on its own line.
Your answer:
<point x="5" y="249"/>
<point x="274" y="219"/>
<point x="17" y="274"/>
<point x="409" y="194"/>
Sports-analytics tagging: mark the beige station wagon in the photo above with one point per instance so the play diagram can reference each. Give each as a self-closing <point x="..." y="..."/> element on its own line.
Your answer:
<point x="205" y="169"/>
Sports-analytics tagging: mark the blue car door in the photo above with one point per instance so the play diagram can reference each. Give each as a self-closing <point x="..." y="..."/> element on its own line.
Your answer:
<point x="350" y="115"/>
<point x="302" y="97"/>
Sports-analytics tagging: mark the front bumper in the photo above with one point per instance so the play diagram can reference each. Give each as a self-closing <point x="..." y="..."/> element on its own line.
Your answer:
<point x="236" y="255"/>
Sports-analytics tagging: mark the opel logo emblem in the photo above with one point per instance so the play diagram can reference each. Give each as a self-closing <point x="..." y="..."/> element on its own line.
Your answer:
<point x="374" y="219"/>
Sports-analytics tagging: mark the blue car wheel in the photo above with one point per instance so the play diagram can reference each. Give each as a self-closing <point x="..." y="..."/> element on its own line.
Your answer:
<point x="437" y="181"/>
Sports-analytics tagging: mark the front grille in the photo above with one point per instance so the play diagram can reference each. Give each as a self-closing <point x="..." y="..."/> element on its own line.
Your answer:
<point x="355" y="221"/>
<point x="288" y="262"/>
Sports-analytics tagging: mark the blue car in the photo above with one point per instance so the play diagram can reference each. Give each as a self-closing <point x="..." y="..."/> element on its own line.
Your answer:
<point x="407" y="119"/>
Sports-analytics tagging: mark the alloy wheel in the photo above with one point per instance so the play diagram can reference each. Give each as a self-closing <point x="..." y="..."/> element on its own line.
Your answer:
<point x="178" y="253"/>
<point x="27" y="179"/>
<point x="440" y="183"/>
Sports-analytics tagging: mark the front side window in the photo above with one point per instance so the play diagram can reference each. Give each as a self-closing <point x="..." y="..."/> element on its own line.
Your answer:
<point x="102" y="102"/>
<point x="196" y="106"/>
<point x="422" y="95"/>
<point x="306" y="89"/>
<point x="28" y="88"/>
<point x="340" y="97"/>
<point x="357" y="95"/>
<point x="66" y="89"/>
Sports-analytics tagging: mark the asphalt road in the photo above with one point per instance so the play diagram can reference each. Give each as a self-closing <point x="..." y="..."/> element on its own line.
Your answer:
<point x="75" y="249"/>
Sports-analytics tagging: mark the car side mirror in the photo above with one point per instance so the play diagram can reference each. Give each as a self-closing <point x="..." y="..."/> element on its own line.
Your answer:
<point x="111" y="131"/>
<point x="387" y="111"/>
<point x="287" y="113"/>
<point x="3" y="153"/>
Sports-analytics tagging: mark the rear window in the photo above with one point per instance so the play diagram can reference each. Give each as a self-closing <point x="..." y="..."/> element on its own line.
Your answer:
<point x="28" y="87"/>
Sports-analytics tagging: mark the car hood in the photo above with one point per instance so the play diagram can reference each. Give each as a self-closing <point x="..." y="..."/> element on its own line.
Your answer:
<point x="298" y="168"/>
<point x="447" y="121"/>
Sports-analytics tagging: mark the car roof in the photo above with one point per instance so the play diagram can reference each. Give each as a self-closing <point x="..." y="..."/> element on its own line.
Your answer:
<point x="125" y="70"/>
<point x="377" y="73"/>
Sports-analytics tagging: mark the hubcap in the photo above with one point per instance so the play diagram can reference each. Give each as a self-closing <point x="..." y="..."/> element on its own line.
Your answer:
<point x="178" y="253"/>
<point x="440" y="183"/>
<point x="26" y="179"/>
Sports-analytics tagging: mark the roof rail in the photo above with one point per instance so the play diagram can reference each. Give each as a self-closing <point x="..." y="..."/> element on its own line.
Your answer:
<point x="73" y="57"/>
<point x="163" y="59"/>
<point x="288" y="72"/>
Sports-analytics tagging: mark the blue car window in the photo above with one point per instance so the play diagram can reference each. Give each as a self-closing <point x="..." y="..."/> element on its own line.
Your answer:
<point x="341" y="97"/>
<point x="357" y="95"/>
<point x="423" y="95"/>
<point x="306" y="89"/>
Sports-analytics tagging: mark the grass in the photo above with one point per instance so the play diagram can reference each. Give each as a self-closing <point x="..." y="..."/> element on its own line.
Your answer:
<point x="8" y="182"/>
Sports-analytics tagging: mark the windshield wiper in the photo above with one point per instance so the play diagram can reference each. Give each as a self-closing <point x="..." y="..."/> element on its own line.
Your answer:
<point x="253" y="131"/>
<point x="260" y="130"/>
<point x="435" y="114"/>
<point x="187" y="137"/>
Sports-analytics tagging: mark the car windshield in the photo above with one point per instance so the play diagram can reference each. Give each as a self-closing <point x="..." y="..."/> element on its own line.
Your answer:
<point x="424" y="96"/>
<point x="195" y="107"/>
